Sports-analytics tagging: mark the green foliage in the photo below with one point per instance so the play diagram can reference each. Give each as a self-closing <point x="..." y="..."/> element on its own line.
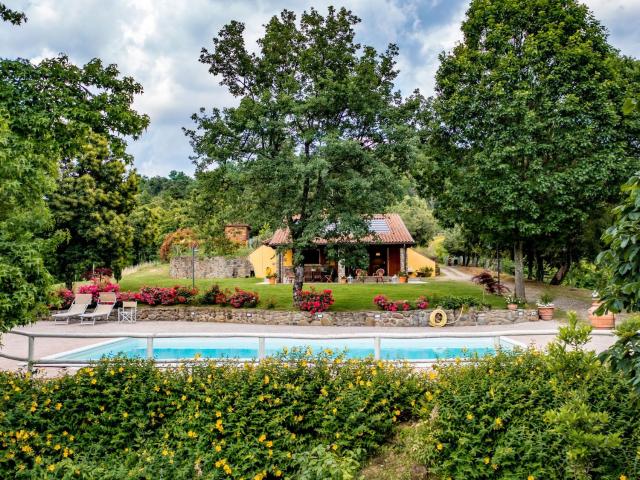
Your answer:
<point x="418" y="217"/>
<point x="622" y="254"/>
<point x="624" y="355"/>
<point x="319" y="138"/>
<point x="285" y="417"/>
<point x="589" y="275"/>
<point x="92" y="204"/>
<point x="546" y="298"/>
<point x="26" y="178"/>
<point x="525" y="136"/>
<point x="147" y="237"/>
<point x="531" y="415"/>
<point x="12" y="16"/>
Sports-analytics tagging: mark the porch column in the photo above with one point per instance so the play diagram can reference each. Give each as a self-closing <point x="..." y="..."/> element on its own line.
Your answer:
<point x="403" y="259"/>
<point x="341" y="269"/>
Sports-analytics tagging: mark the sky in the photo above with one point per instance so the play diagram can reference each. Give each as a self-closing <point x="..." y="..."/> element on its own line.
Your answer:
<point x="158" y="43"/>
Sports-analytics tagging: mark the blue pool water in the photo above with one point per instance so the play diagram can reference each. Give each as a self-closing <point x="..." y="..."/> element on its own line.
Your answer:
<point x="247" y="348"/>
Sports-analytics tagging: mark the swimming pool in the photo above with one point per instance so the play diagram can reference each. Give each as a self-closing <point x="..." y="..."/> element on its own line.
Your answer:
<point x="247" y="348"/>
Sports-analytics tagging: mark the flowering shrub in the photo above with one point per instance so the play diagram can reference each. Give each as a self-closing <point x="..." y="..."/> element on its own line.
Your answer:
<point x="164" y="296"/>
<point x="96" y="287"/>
<point x="384" y="303"/>
<point x="65" y="298"/>
<point x="315" y="302"/>
<point x="128" y="419"/>
<point x="215" y="296"/>
<point x="243" y="299"/>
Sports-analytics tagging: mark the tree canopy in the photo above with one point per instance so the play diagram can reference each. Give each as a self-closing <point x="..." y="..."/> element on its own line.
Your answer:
<point x="526" y="136"/>
<point x="320" y="138"/>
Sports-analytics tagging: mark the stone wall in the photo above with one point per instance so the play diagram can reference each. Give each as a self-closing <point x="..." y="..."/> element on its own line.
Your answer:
<point x="418" y="318"/>
<point x="211" y="267"/>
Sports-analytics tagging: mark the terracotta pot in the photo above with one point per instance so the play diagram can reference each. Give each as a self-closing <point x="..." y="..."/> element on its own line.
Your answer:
<point x="272" y="281"/>
<point x="402" y="279"/>
<point x="546" y="313"/>
<point x="512" y="306"/>
<point x="608" y="320"/>
<point x="343" y="280"/>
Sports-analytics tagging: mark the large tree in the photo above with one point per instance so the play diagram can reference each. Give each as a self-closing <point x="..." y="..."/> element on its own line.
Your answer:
<point x="81" y="116"/>
<point x="319" y="138"/>
<point x="526" y="137"/>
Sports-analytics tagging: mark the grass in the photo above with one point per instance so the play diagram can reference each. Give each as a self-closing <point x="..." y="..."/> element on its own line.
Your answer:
<point x="350" y="297"/>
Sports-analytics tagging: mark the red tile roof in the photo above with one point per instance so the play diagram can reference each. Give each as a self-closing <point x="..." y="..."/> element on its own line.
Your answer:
<point x="397" y="233"/>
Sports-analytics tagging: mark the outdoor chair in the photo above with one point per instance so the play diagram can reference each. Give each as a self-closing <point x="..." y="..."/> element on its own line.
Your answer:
<point x="106" y="302"/>
<point x="328" y="277"/>
<point x="379" y="274"/>
<point x="128" y="312"/>
<point x="361" y="275"/>
<point x="80" y="303"/>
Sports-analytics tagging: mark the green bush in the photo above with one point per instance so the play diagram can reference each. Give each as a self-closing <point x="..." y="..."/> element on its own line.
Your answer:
<point x="527" y="415"/>
<point x="284" y="417"/>
<point x="624" y="355"/>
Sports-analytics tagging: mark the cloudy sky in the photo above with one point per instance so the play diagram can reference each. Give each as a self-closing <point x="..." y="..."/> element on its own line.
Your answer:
<point x="158" y="43"/>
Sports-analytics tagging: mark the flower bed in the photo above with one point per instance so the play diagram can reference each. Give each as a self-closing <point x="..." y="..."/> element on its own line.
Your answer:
<point x="129" y="419"/>
<point x="243" y="299"/>
<point x="315" y="302"/>
<point x="384" y="303"/>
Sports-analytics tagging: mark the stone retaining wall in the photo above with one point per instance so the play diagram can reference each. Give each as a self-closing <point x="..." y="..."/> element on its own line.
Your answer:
<point x="211" y="267"/>
<point x="418" y="318"/>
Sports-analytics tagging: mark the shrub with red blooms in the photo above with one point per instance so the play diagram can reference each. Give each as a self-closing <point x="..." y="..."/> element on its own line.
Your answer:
<point x="65" y="296"/>
<point x="315" y="302"/>
<point x="161" y="296"/>
<point x="243" y="299"/>
<point x="96" y="287"/>
<point x="216" y="296"/>
<point x="384" y="303"/>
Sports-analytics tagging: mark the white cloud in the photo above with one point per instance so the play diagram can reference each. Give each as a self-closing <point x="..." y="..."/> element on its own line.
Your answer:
<point x="158" y="42"/>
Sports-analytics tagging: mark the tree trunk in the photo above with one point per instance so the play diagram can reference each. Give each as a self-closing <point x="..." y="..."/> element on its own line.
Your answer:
<point x="539" y="268"/>
<point x="530" y="265"/>
<point x="298" y="282"/>
<point x="561" y="273"/>
<point x="519" y="270"/>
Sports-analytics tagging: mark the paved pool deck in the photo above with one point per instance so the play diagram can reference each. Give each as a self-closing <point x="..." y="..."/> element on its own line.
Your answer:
<point x="16" y="345"/>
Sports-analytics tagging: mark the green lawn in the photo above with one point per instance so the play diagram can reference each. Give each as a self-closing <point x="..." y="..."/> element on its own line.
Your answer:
<point x="347" y="297"/>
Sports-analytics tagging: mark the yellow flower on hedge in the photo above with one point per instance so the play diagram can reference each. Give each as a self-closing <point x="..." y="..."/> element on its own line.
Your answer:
<point x="334" y="446"/>
<point x="323" y="392"/>
<point x="269" y="444"/>
<point x="51" y="468"/>
<point x="498" y="422"/>
<point x="278" y="473"/>
<point x="487" y="460"/>
<point x="125" y="414"/>
<point x="121" y="369"/>
<point x="262" y="438"/>
<point x="218" y="448"/>
<point x="38" y="459"/>
<point x="58" y="406"/>
<point x="266" y="380"/>
<point x="439" y="446"/>
<point x="531" y="477"/>
<point x="56" y="447"/>
<point x="93" y="381"/>
<point x="191" y="434"/>
<point x="623" y="477"/>
<point x="469" y="416"/>
<point x="227" y="469"/>
<point x="218" y="414"/>
<point x="165" y="452"/>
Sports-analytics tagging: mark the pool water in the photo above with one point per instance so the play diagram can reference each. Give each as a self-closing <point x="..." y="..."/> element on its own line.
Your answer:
<point x="427" y="349"/>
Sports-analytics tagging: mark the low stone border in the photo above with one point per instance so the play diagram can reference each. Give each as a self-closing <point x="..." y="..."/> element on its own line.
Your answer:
<point x="414" y="318"/>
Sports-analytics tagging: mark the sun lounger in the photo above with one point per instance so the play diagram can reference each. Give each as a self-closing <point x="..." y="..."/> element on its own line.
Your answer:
<point x="106" y="302"/>
<point x="80" y="303"/>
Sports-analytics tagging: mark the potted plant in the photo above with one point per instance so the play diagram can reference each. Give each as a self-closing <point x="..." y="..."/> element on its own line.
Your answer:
<point x="606" y="320"/>
<point x="343" y="279"/>
<point x="272" y="276"/>
<point x="546" y="306"/>
<point x="403" y="277"/>
<point x="512" y="302"/>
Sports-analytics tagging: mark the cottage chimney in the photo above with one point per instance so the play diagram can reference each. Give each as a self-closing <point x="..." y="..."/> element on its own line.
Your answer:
<point x="237" y="233"/>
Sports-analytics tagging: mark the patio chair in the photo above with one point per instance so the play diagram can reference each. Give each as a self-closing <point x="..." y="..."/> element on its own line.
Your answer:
<point x="80" y="303"/>
<point x="106" y="302"/>
<point x="128" y="312"/>
<point x="328" y="277"/>
<point x="379" y="275"/>
<point x="361" y="274"/>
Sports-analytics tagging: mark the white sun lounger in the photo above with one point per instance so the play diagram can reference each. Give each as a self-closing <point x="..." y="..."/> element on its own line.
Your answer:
<point x="106" y="302"/>
<point x="80" y="303"/>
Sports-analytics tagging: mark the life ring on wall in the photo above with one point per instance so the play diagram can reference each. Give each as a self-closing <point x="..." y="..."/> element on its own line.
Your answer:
<point x="438" y="318"/>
